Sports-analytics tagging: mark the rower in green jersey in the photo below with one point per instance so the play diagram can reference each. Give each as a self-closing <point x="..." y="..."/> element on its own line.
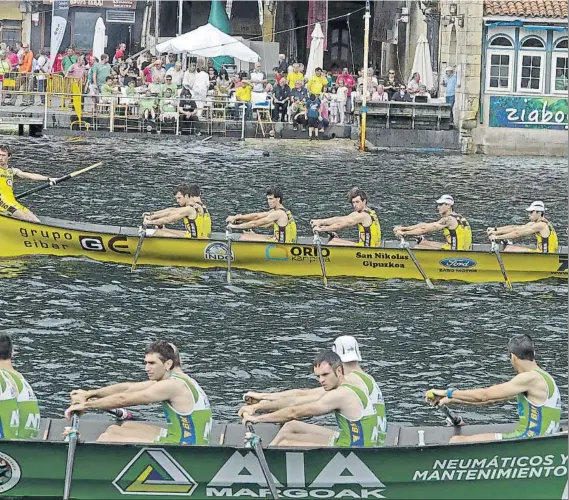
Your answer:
<point x="348" y="349"/>
<point x="185" y="404"/>
<point x="539" y="401"/>
<point x="355" y="414"/>
<point x="19" y="410"/>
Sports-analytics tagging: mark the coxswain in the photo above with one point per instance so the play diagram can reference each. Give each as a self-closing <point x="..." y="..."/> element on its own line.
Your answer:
<point x="191" y="210"/>
<point x="538" y="225"/>
<point x="8" y="202"/>
<point x="539" y="401"/>
<point x="184" y="402"/>
<point x="277" y="217"/>
<point x="455" y="228"/>
<point x="348" y="349"/>
<point x="17" y="398"/>
<point x="355" y="414"/>
<point x="364" y="217"/>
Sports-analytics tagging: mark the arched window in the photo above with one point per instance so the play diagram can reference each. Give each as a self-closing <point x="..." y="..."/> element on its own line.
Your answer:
<point x="531" y="64"/>
<point x="559" y="67"/>
<point x="533" y="42"/>
<point x="500" y="63"/>
<point x="501" y="41"/>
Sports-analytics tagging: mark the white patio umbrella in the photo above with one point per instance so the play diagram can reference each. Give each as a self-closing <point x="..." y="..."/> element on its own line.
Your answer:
<point x="208" y="41"/>
<point x="422" y="62"/>
<point x="316" y="56"/>
<point x="99" y="38"/>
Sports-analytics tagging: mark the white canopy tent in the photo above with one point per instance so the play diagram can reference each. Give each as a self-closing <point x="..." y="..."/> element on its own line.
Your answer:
<point x="422" y="62"/>
<point x="208" y="41"/>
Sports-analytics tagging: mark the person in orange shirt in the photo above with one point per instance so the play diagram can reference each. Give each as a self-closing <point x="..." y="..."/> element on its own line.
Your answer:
<point x="27" y="77"/>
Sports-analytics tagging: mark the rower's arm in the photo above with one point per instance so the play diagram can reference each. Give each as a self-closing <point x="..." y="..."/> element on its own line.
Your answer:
<point x="500" y="231"/>
<point x="271" y="396"/>
<point x="161" y="213"/>
<point x="154" y="393"/>
<point x="174" y="215"/>
<point x="28" y="175"/>
<point x="324" y="222"/>
<point x="115" y="389"/>
<point x="249" y="217"/>
<point x="326" y="404"/>
<point x="423" y="228"/>
<point x="502" y="392"/>
<point x="283" y="402"/>
<point x="351" y="220"/>
<point x="521" y="231"/>
<point x="268" y="219"/>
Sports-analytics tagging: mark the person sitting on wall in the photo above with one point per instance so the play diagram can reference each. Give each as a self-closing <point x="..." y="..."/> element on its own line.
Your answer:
<point x="402" y="95"/>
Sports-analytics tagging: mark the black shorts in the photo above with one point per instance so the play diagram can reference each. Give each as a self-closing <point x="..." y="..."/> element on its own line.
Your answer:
<point x="312" y="122"/>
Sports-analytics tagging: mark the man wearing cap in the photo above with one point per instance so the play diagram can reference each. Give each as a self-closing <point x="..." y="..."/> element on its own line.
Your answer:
<point x="450" y="84"/>
<point x="348" y="349"/>
<point x="545" y="234"/>
<point x="455" y="228"/>
<point x="356" y="415"/>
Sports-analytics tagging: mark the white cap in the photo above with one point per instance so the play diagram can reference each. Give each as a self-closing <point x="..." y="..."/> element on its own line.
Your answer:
<point x="447" y="199"/>
<point x="449" y="68"/>
<point x="537" y="205"/>
<point x="347" y="348"/>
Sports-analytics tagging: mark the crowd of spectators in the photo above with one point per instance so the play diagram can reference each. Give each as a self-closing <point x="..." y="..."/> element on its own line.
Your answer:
<point x="161" y="88"/>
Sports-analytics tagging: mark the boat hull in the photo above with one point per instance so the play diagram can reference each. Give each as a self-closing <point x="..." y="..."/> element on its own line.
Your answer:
<point x="118" y="244"/>
<point x="529" y="468"/>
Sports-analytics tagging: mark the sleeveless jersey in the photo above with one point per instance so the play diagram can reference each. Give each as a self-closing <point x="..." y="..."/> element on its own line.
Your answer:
<point x="362" y="432"/>
<point x="549" y="244"/>
<point x="285" y="234"/>
<point x="370" y="236"/>
<point x="376" y="397"/>
<point x="459" y="238"/>
<point x="9" y="414"/>
<point x="192" y="428"/>
<point x="200" y="227"/>
<point x="6" y="185"/>
<point x="28" y="407"/>
<point x="538" y="420"/>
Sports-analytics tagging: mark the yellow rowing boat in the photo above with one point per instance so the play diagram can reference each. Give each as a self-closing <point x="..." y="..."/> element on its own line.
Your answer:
<point x="118" y="244"/>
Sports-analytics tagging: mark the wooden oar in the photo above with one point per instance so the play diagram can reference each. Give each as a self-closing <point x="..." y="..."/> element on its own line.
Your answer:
<point x="318" y="244"/>
<point x="255" y="443"/>
<point x="142" y="233"/>
<point x="229" y="238"/>
<point x="58" y="180"/>
<point x="71" y="455"/>
<point x="496" y="249"/>
<point x="405" y="244"/>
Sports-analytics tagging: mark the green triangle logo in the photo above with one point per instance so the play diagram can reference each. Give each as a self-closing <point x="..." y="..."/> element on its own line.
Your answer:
<point x="154" y="471"/>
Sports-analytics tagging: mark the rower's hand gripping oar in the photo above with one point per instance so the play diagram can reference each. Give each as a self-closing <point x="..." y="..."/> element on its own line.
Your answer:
<point x="73" y="437"/>
<point x="58" y="180"/>
<point x="405" y="244"/>
<point x="318" y="245"/>
<point x="496" y="249"/>
<point x="142" y="234"/>
<point x="452" y="417"/>
<point x="254" y="441"/>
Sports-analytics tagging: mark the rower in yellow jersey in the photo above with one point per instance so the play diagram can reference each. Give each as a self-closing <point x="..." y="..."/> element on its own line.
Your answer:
<point x="277" y="217"/>
<point x="544" y="231"/>
<point x="191" y="211"/>
<point x="364" y="217"/>
<point x="455" y="228"/>
<point x="8" y="203"/>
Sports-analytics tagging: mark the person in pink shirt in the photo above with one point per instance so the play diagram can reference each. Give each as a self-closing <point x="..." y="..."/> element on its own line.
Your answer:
<point x="76" y="70"/>
<point x="13" y="58"/>
<point x="350" y="83"/>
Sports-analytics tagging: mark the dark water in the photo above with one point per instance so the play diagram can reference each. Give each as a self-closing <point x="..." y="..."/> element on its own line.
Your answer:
<point x="79" y="323"/>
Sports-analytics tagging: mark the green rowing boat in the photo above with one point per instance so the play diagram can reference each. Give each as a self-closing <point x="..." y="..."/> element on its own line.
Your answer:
<point x="516" y="469"/>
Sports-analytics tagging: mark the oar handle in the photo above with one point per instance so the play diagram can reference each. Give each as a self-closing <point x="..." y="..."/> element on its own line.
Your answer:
<point x="452" y="417"/>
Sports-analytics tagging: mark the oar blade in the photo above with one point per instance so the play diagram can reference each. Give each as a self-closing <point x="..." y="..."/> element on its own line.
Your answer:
<point x="142" y="233"/>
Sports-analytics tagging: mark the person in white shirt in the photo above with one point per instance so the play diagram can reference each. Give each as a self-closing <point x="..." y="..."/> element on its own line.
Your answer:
<point x="42" y="70"/>
<point x="199" y="90"/>
<point x="413" y="85"/>
<point x="190" y="77"/>
<point x="342" y="98"/>
<point x="258" y="81"/>
<point x="379" y="94"/>
<point x="176" y="73"/>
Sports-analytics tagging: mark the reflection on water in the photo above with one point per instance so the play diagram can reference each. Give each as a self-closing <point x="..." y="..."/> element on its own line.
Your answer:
<point x="79" y="323"/>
